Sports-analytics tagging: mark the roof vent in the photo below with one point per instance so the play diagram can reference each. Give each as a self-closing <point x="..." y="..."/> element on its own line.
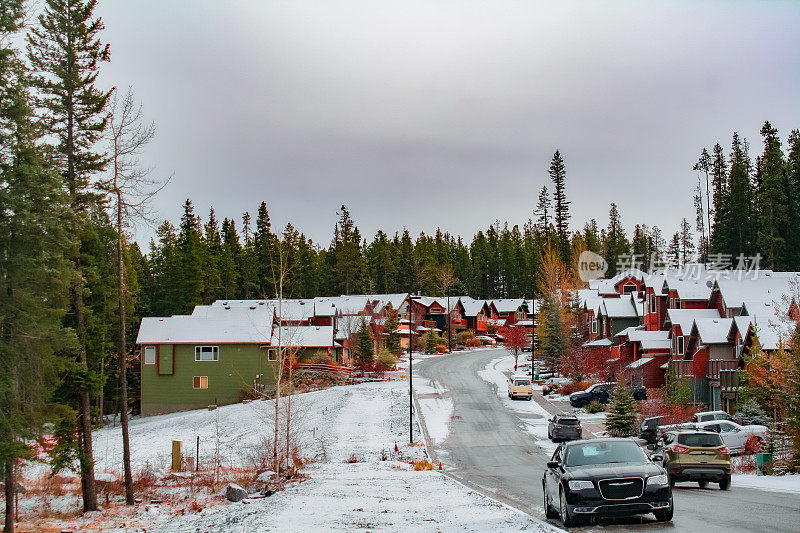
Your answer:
<point x="227" y="307"/>
<point x="224" y="303"/>
<point x="260" y="303"/>
<point x="317" y="328"/>
<point x="252" y="307"/>
<point x="302" y="302"/>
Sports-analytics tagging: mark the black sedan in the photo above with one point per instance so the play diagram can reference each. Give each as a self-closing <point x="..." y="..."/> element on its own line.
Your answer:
<point x="604" y="477"/>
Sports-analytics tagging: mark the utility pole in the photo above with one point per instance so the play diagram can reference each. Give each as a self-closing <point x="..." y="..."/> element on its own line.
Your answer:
<point x="533" y="332"/>
<point x="449" y="317"/>
<point x="410" y="373"/>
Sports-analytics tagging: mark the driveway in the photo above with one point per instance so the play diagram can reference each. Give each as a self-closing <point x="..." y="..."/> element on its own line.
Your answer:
<point x="488" y="449"/>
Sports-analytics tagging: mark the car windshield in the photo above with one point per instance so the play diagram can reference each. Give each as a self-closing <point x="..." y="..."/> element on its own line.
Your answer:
<point x="599" y="453"/>
<point x="568" y="421"/>
<point x="522" y="383"/>
<point x="699" y="440"/>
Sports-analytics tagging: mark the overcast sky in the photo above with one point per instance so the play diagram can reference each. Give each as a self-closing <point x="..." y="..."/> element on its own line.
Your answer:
<point x="446" y="113"/>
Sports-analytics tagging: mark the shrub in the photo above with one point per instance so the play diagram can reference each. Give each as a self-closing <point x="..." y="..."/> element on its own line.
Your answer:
<point x="441" y="348"/>
<point x="464" y="336"/>
<point x="595" y="407"/>
<point x="473" y="343"/>
<point x="565" y="389"/>
<point x="751" y="413"/>
<point x="320" y="358"/>
<point x="385" y="361"/>
<point x="422" y="464"/>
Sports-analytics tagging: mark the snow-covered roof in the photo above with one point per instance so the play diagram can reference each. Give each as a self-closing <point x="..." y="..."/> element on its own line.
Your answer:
<point x="712" y="330"/>
<point x="304" y="336"/>
<point x="685" y="317"/>
<point x="382" y="300"/>
<point x="235" y="325"/>
<point x="640" y="362"/>
<point x="508" y="305"/>
<point x="777" y="288"/>
<point x="471" y="306"/>
<point x="598" y="342"/>
<point x="691" y="289"/>
<point x="619" y="308"/>
<point x="773" y="332"/>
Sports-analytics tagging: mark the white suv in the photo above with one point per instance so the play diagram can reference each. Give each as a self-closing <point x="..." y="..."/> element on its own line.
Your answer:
<point x="733" y="435"/>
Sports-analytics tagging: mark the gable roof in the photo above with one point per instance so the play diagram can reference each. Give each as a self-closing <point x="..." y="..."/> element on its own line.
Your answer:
<point x="712" y="330"/>
<point x="685" y="317"/>
<point x="619" y="308"/>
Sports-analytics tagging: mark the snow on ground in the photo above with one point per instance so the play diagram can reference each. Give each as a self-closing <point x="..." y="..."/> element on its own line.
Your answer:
<point x="533" y="415"/>
<point x="788" y="483"/>
<point x="357" y="481"/>
<point x="435" y="406"/>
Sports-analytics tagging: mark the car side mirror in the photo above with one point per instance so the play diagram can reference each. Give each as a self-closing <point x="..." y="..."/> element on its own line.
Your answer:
<point x="552" y="464"/>
<point x="651" y="447"/>
<point x="656" y="457"/>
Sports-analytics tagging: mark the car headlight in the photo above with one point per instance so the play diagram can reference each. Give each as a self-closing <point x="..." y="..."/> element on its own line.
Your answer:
<point x="575" y="484"/>
<point x="660" y="480"/>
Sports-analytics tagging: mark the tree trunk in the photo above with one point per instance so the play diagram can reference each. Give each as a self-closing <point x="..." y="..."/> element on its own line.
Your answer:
<point x="123" y="365"/>
<point x="84" y="415"/>
<point x="9" y="493"/>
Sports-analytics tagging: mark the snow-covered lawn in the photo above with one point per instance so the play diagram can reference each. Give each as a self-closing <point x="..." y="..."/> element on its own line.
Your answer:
<point x="789" y="483"/>
<point x="361" y="423"/>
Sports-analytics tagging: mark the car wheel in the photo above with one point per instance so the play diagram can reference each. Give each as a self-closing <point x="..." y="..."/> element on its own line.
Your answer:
<point x="567" y="518"/>
<point x="703" y="484"/>
<point x="549" y="512"/>
<point x="725" y="483"/>
<point x="671" y="481"/>
<point x="530" y="398"/>
<point x="665" y="515"/>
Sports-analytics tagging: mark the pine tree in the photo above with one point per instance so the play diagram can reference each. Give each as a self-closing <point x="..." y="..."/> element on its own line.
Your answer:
<point x="616" y="243"/>
<point x="793" y="186"/>
<point x="390" y="328"/>
<point x="264" y="255"/>
<point x="33" y="268"/>
<point x="190" y="259"/>
<point x="365" y="349"/>
<point x="346" y="251"/>
<point x="739" y="203"/>
<point x="542" y="212"/>
<point x="558" y="176"/>
<point x="718" y="232"/>
<point x="773" y="201"/>
<point x="431" y="342"/>
<point x="674" y="250"/>
<point x="686" y="242"/>
<point x="621" y="419"/>
<point x="66" y="52"/>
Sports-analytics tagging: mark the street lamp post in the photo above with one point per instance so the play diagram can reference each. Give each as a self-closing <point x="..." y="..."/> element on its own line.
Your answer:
<point x="533" y="336"/>
<point x="410" y="371"/>
<point x="449" y="318"/>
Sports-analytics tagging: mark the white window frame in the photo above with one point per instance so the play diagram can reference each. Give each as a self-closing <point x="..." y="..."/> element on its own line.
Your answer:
<point x="154" y="351"/>
<point x="198" y="350"/>
<point x="270" y="352"/>
<point x="652" y="298"/>
<point x="594" y="325"/>
<point x="201" y="382"/>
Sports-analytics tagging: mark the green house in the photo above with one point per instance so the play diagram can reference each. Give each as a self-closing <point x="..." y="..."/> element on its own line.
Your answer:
<point x="218" y="355"/>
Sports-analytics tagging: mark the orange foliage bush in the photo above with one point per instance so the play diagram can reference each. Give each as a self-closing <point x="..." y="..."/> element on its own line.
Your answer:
<point x="473" y="343"/>
<point x="565" y="389"/>
<point x="441" y="348"/>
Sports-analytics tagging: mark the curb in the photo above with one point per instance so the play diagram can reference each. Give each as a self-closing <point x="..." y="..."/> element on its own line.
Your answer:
<point x="466" y="484"/>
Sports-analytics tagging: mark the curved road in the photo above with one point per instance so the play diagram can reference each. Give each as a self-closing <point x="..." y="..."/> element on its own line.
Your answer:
<point x="488" y="449"/>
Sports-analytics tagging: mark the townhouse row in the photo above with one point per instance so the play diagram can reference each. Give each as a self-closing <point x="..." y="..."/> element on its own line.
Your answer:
<point x="223" y="351"/>
<point x="702" y="322"/>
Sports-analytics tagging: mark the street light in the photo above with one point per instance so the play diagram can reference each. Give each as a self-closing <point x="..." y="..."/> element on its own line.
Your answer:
<point x="410" y="370"/>
<point x="533" y="333"/>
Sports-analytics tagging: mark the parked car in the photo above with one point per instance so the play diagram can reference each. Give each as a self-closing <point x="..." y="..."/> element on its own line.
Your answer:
<point x="520" y="387"/>
<point x="601" y="393"/>
<point x="564" y="427"/>
<point x="648" y="430"/>
<point x="706" y="416"/>
<point x="734" y="435"/>
<point x="607" y="476"/>
<point x="694" y="455"/>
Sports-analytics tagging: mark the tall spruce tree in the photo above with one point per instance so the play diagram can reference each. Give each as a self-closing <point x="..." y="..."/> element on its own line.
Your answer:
<point x="773" y="199"/>
<point x="33" y="267"/>
<point x="793" y="186"/>
<point x="66" y="52"/>
<point x="558" y="175"/>
<point x="616" y="243"/>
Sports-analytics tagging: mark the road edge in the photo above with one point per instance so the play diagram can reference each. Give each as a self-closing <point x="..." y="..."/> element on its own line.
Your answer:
<point x="430" y="450"/>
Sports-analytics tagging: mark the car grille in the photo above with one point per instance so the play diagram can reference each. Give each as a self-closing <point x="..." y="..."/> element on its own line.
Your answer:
<point x="622" y="488"/>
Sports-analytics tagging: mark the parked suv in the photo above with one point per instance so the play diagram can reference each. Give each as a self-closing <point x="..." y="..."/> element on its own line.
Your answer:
<point x="601" y="393"/>
<point x="734" y="435"/>
<point x="693" y="455"/>
<point x="705" y="416"/>
<point x="564" y="427"/>
<point x="648" y="430"/>
<point x="520" y="387"/>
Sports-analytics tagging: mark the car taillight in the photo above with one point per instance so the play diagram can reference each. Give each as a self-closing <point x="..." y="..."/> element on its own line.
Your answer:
<point x="724" y="449"/>
<point x="678" y="448"/>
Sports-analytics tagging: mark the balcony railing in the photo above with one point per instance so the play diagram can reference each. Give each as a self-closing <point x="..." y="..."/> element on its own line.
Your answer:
<point x="714" y="368"/>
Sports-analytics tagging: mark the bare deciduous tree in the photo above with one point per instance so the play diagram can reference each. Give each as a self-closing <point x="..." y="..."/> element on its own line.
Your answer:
<point x="131" y="189"/>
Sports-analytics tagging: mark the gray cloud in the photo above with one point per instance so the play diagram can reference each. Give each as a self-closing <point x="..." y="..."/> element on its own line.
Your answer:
<point x="425" y="114"/>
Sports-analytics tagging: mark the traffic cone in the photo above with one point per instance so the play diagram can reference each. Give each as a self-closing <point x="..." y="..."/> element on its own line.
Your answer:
<point x="440" y="465"/>
<point x="395" y="447"/>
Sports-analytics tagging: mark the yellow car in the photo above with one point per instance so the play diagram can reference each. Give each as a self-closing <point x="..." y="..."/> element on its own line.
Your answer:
<point x="699" y="456"/>
<point x="520" y="387"/>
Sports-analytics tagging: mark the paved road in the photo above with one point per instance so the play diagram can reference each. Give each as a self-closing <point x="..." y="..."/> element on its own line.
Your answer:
<point x="489" y="449"/>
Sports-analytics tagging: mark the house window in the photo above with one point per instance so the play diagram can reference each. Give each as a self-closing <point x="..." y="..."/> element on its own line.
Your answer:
<point x="594" y="325"/>
<point x="652" y="298"/>
<point x="206" y="353"/>
<point x="272" y="354"/>
<point x="628" y="288"/>
<point x="200" y="382"/>
<point x="680" y="345"/>
<point x="149" y="355"/>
